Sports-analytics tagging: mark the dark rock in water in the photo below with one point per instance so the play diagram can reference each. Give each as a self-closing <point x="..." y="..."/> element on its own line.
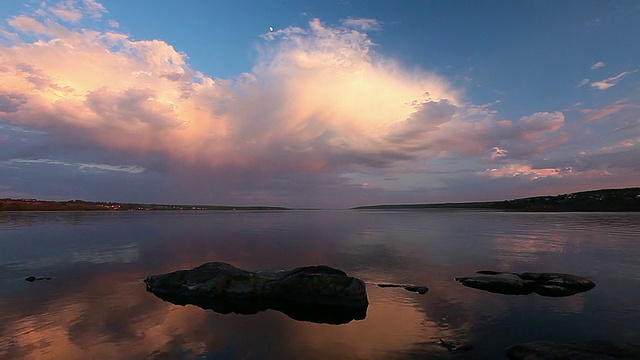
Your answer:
<point x="554" y="291"/>
<point x="588" y="350"/>
<point x="453" y="345"/>
<point x="545" y="284"/>
<point x="491" y="272"/>
<point x="500" y="285"/>
<point x="389" y="285"/>
<point x="33" y="278"/>
<point x="313" y="293"/>
<point x="413" y="288"/>
<point x="418" y="289"/>
<point x="569" y="281"/>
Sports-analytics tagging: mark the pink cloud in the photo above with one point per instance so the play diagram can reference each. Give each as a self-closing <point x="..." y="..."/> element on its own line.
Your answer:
<point x="28" y="25"/>
<point x="320" y="105"/>
<point x="600" y="114"/>
<point x="498" y="153"/>
<point x="74" y="10"/>
<point x="612" y="81"/>
<point x="543" y="122"/>
<point x="523" y="170"/>
<point x="316" y="97"/>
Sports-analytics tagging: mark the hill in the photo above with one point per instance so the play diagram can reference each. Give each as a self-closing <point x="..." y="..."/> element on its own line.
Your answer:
<point x="627" y="199"/>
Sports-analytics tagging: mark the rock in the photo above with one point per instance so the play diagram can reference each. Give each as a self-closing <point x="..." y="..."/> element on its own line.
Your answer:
<point x="545" y="284"/>
<point x="418" y="289"/>
<point x="491" y="272"/>
<point x="313" y="293"/>
<point x="453" y="345"/>
<point x="413" y="288"/>
<point x="553" y="291"/>
<point x="388" y="285"/>
<point x="588" y="350"/>
<point x="568" y="281"/>
<point x="33" y="278"/>
<point x="500" y="285"/>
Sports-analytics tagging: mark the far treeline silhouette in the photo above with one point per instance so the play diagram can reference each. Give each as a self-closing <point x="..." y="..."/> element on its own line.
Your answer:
<point x="79" y="205"/>
<point x="596" y="200"/>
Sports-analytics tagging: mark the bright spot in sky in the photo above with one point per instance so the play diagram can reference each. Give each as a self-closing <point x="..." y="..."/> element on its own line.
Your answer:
<point x="270" y="28"/>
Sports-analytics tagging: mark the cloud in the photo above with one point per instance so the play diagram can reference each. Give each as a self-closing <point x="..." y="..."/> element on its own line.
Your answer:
<point x="523" y="170"/>
<point x="318" y="99"/>
<point x="498" y="153"/>
<point x="622" y="155"/>
<point x="11" y="103"/>
<point x="321" y="113"/>
<point x="132" y="169"/>
<point x="528" y="137"/>
<point x="623" y="144"/>
<point x="74" y="10"/>
<point x="362" y="24"/>
<point x="543" y="121"/>
<point x="612" y="81"/>
<point x="606" y="112"/>
<point x="597" y="65"/>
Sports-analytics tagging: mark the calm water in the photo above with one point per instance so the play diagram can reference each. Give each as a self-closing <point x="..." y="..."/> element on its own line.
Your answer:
<point x="96" y="306"/>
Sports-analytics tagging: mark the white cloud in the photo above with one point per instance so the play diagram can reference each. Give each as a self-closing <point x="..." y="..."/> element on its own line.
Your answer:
<point x="318" y="98"/>
<point x="132" y="169"/>
<point x="583" y="82"/>
<point x="362" y="24"/>
<point x="597" y="65"/>
<point x="612" y="81"/>
<point x="498" y="153"/>
<point x="525" y="171"/>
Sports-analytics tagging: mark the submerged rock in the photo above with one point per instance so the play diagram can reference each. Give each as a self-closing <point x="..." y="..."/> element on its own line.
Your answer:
<point x="413" y="288"/>
<point x="418" y="289"/>
<point x="587" y="350"/>
<point x="568" y="281"/>
<point x="313" y="293"/>
<point x="453" y="345"/>
<point x="500" y="285"/>
<point x="545" y="284"/>
<point x="33" y="278"/>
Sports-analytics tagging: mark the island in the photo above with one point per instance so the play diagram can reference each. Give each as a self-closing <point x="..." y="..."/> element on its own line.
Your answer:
<point x="606" y="200"/>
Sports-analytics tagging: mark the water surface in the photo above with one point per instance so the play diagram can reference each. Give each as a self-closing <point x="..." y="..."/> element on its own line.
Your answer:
<point x="96" y="306"/>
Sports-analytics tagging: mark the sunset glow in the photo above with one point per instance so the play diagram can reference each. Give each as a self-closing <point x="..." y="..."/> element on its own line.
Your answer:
<point x="337" y="111"/>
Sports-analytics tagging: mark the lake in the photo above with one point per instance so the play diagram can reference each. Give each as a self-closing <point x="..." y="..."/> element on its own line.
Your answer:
<point x="95" y="305"/>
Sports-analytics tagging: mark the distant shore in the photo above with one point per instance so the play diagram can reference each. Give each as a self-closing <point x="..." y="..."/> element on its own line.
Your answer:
<point x="606" y="200"/>
<point x="80" y="205"/>
<point x="611" y="200"/>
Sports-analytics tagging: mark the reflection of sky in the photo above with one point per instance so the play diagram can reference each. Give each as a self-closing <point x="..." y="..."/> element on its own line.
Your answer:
<point x="96" y="306"/>
<point x="125" y="254"/>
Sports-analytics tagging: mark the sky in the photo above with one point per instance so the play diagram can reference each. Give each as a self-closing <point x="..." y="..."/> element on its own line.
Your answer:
<point x="327" y="104"/>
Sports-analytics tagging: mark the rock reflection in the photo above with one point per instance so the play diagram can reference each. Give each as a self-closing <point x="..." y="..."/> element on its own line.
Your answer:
<point x="321" y="314"/>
